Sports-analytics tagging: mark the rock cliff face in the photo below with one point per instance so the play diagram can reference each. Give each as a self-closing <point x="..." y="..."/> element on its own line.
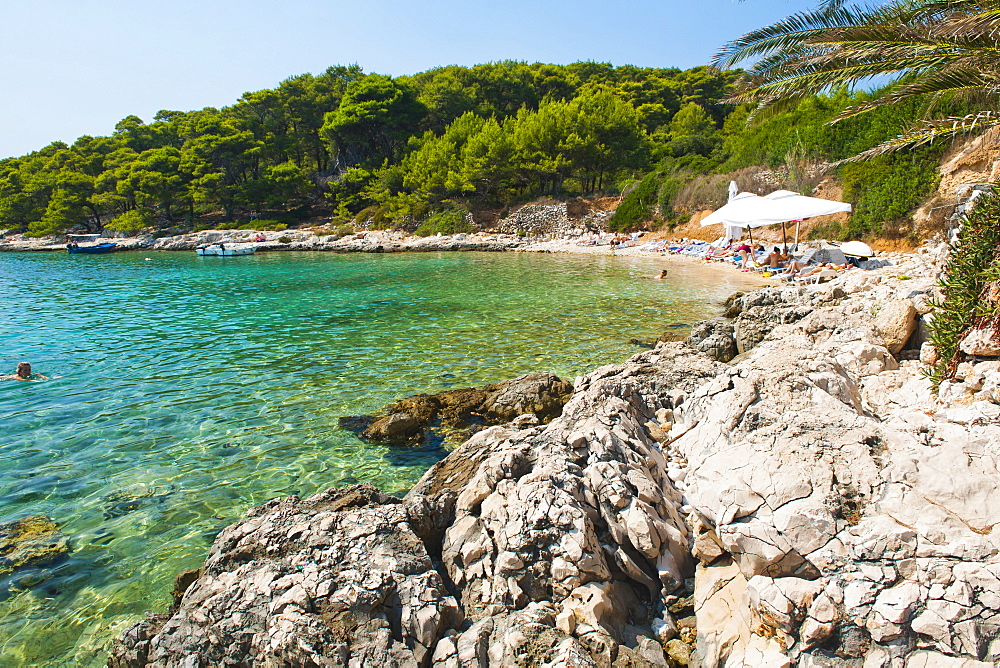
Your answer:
<point x="812" y="504"/>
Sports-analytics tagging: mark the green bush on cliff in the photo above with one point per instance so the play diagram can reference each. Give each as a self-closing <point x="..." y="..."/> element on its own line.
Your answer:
<point x="886" y="190"/>
<point x="637" y="206"/>
<point x="974" y="265"/>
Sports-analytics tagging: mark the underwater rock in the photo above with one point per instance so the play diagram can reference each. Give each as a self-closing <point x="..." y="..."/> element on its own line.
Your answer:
<point x="30" y="540"/>
<point x="455" y="415"/>
<point x="131" y="498"/>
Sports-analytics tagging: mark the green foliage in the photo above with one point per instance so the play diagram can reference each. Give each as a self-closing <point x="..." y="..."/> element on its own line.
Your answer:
<point x="667" y="192"/>
<point x="267" y="225"/>
<point x="932" y="51"/>
<point x="445" y="221"/>
<point x="375" y="117"/>
<point x="348" y="191"/>
<point x="386" y="151"/>
<point x="973" y="265"/>
<point x="374" y="217"/>
<point x="637" y="206"/>
<point x="135" y="220"/>
<point x="885" y="190"/>
<point x="262" y="224"/>
<point x="580" y="145"/>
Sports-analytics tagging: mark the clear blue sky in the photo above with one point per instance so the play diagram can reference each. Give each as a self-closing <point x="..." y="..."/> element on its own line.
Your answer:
<point x="75" y="67"/>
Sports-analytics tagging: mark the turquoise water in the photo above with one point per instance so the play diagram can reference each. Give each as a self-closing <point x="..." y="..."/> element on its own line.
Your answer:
<point x="185" y="390"/>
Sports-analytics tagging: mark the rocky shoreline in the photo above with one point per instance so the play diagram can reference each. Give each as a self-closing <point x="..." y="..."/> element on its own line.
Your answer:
<point x="811" y="503"/>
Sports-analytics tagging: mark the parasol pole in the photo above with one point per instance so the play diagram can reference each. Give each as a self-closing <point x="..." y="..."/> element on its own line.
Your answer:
<point x="797" y="233"/>
<point x="784" y="239"/>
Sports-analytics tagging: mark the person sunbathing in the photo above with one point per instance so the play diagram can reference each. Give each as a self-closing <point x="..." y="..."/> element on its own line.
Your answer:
<point x="803" y="271"/>
<point x="775" y="259"/>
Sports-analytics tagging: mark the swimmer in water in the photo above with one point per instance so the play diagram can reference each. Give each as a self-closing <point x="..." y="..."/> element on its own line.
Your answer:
<point x="663" y="274"/>
<point x="23" y="373"/>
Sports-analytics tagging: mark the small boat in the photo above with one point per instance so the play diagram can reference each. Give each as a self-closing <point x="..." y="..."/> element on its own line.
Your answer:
<point x="225" y="250"/>
<point x="73" y="245"/>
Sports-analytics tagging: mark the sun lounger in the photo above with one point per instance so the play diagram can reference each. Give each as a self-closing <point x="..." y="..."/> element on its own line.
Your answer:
<point x="819" y="277"/>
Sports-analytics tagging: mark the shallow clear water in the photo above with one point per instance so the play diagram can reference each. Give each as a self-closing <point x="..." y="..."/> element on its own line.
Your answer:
<point x="185" y="390"/>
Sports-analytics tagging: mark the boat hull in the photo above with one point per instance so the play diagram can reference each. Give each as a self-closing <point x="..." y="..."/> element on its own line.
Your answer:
<point x="99" y="249"/>
<point x="225" y="252"/>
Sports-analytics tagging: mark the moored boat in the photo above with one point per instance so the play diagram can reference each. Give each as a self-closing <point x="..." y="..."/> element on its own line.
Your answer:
<point x="225" y="250"/>
<point x="73" y="245"/>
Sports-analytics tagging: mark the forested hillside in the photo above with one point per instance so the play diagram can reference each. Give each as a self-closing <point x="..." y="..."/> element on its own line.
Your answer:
<point x="423" y="149"/>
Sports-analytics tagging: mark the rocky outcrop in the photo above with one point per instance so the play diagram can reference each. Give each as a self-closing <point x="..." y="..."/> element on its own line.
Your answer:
<point x="457" y="414"/>
<point x="535" y="219"/>
<point x="375" y="241"/>
<point x="811" y="504"/>
<point x="557" y="543"/>
<point x="337" y="576"/>
<point x="715" y="338"/>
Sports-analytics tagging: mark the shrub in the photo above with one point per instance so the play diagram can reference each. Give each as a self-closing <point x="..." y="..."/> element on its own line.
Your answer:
<point x="637" y="206"/>
<point x="885" y="190"/>
<point x="131" y="221"/>
<point x="284" y="240"/>
<point x="373" y="217"/>
<point x="972" y="270"/>
<point x="265" y="225"/>
<point x="445" y="221"/>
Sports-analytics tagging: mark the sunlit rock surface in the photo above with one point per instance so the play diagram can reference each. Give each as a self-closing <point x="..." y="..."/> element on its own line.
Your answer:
<point x="811" y="504"/>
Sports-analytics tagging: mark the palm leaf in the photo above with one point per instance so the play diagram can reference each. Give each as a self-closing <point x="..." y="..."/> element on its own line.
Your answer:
<point x="935" y="50"/>
<point x="929" y="131"/>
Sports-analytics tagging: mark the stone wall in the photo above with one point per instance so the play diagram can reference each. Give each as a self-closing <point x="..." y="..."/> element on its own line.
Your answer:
<point x="553" y="220"/>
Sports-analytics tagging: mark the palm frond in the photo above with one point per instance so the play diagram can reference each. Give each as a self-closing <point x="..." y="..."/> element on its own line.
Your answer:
<point x="929" y="131"/>
<point x="788" y="32"/>
<point x="933" y="50"/>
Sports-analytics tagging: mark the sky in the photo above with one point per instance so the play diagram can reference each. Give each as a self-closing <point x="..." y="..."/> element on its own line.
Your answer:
<point x="76" y="67"/>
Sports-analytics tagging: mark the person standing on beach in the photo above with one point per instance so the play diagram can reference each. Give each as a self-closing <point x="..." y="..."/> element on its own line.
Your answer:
<point x="23" y="373"/>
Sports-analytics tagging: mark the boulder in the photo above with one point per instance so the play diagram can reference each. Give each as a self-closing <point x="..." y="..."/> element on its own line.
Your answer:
<point x="756" y="322"/>
<point x="308" y="582"/>
<point x="896" y="321"/>
<point x="715" y="338"/>
<point x="982" y="341"/>
<point x="539" y="393"/>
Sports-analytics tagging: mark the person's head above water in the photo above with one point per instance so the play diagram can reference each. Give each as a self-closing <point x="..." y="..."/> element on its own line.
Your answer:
<point x="23" y="369"/>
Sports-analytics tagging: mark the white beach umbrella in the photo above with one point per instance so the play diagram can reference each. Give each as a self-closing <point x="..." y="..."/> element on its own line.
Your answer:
<point x="752" y="211"/>
<point x="857" y="249"/>
<point x="786" y="205"/>
<point x="736" y="214"/>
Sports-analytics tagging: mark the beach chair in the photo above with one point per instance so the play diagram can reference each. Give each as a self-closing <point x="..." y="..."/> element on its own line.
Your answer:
<point x="819" y="277"/>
